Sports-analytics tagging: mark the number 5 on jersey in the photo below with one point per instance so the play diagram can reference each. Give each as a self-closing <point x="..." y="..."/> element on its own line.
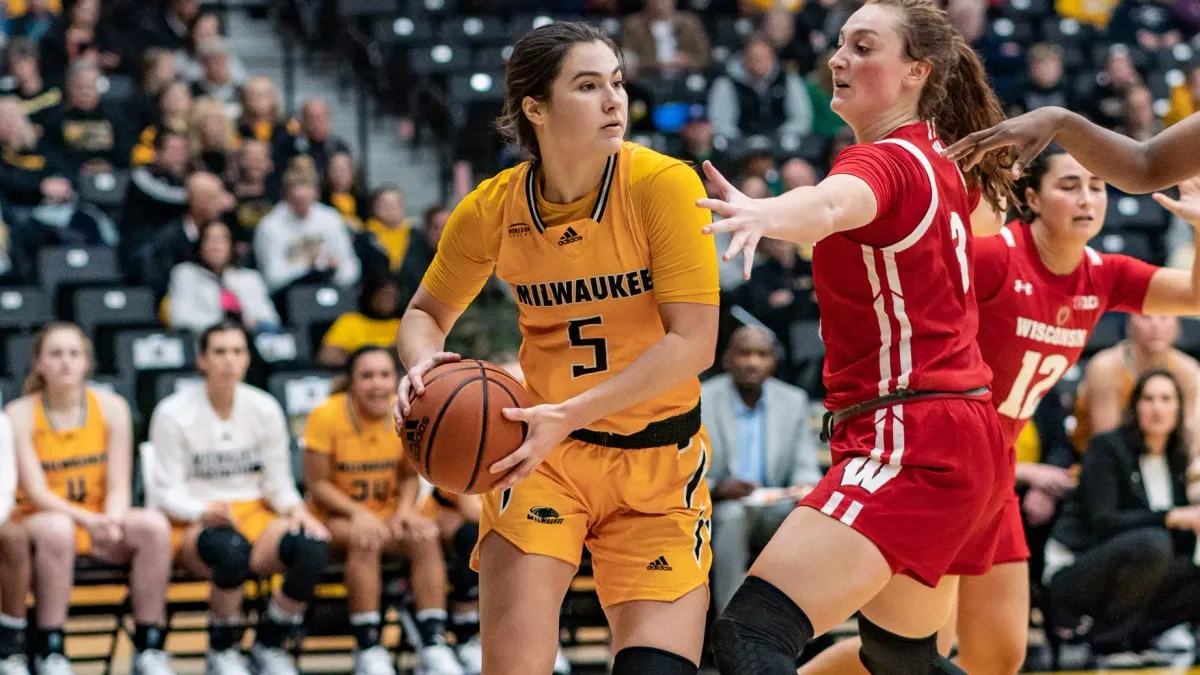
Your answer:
<point x="598" y="345"/>
<point x="1023" y="400"/>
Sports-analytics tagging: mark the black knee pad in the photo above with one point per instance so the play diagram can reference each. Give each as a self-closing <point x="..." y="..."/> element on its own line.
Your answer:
<point x="885" y="653"/>
<point x="651" y="661"/>
<point x="227" y="554"/>
<point x="464" y="581"/>
<point x="304" y="560"/>
<point x="761" y="632"/>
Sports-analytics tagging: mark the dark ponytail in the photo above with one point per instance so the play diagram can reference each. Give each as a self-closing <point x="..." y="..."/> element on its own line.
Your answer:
<point x="957" y="97"/>
<point x="1031" y="179"/>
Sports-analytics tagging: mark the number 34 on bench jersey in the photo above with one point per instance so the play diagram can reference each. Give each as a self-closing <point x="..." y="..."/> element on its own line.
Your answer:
<point x="588" y="276"/>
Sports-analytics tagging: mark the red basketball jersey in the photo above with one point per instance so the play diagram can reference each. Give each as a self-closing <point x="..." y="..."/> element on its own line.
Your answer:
<point x="898" y="308"/>
<point x="1033" y="324"/>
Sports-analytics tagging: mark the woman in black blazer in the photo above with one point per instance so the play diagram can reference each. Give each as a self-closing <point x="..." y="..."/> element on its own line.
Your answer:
<point x="1119" y="563"/>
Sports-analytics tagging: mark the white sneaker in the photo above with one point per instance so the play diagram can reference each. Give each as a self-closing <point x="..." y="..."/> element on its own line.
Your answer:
<point x="55" y="664"/>
<point x="271" y="661"/>
<point x="1177" y="640"/>
<point x="225" y="662"/>
<point x="1120" y="661"/>
<point x="561" y="665"/>
<point x="438" y="660"/>
<point x="374" y="661"/>
<point x="470" y="654"/>
<point x="16" y="664"/>
<point x="152" y="662"/>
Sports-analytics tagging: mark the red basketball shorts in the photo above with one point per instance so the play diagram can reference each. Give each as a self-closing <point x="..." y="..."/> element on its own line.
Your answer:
<point x="918" y="480"/>
<point x="999" y="541"/>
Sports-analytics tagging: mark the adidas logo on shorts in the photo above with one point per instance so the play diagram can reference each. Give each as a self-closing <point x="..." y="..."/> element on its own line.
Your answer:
<point x="569" y="237"/>
<point x="659" y="565"/>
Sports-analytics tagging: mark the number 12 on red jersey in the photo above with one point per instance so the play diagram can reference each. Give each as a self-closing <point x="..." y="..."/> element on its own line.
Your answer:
<point x="1023" y="400"/>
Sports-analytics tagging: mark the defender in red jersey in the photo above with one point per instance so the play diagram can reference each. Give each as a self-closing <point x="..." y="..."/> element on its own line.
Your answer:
<point x="1041" y="292"/>
<point x="912" y="428"/>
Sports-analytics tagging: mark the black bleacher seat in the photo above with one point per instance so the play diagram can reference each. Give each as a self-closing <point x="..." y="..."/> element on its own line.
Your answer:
<point x="1030" y="8"/>
<point x="18" y="354"/>
<point x="123" y="385"/>
<point x="152" y="350"/>
<point x="104" y="189"/>
<point x="731" y="32"/>
<point x="24" y="307"/>
<point x="811" y="148"/>
<point x="1133" y="244"/>
<point x="116" y="306"/>
<point x="299" y="392"/>
<point x="520" y="24"/>
<point x="291" y="346"/>
<point x="434" y="8"/>
<point x="170" y="382"/>
<point x="1108" y="331"/>
<point x="474" y="30"/>
<point x="59" y="266"/>
<point x="1015" y="29"/>
<point x="353" y="9"/>
<point x="312" y="308"/>
<point x="491" y="58"/>
<point x="10" y="389"/>
<point x="1066" y="32"/>
<point x="440" y="58"/>
<point x="405" y="30"/>
<point x="1189" y="335"/>
<point x="1134" y="212"/>
<point x="477" y="86"/>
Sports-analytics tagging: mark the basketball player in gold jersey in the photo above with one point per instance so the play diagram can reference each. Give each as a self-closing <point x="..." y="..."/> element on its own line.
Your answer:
<point x="14" y="562"/>
<point x="367" y="496"/>
<point x="617" y="289"/>
<point x="75" y="456"/>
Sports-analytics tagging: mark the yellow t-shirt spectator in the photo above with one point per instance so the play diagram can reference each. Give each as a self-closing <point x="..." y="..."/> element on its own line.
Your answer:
<point x="355" y="330"/>
<point x="393" y="240"/>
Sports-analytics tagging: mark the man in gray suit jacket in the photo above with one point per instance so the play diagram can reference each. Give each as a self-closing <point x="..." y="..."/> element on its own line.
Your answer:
<point x="761" y="438"/>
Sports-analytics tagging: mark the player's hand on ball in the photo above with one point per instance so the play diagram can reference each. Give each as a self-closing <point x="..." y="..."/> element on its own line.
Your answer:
<point x="368" y="531"/>
<point x="746" y="218"/>
<point x="1187" y="207"/>
<point x="413" y="384"/>
<point x="412" y="526"/>
<point x="547" y="427"/>
<point x="300" y="520"/>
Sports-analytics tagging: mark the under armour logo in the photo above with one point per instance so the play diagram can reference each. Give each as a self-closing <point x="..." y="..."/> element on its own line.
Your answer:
<point x="1024" y="287"/>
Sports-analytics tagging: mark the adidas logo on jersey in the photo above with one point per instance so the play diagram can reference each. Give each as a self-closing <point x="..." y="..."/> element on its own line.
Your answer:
<point x="659" y="565"/>
<point x="569" y="237"/>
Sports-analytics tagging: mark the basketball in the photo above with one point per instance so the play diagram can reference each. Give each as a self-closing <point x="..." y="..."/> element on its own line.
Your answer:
<point x="456" y="430"/>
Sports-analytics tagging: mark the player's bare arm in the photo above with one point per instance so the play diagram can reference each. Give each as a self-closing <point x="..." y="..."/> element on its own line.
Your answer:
<point x="683" y="353"/>
<point x="120" y="454"/>
<point x="1103" y="378"/>
<point x="986" y="219"/>
<point x="1155" y="164"/>
<point x="804" y="215"/>
<point x="419" y="343"/>
<point x="1174" y="291"/>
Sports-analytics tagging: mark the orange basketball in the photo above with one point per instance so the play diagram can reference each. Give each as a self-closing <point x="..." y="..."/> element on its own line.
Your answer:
<point x="455" y="429"/>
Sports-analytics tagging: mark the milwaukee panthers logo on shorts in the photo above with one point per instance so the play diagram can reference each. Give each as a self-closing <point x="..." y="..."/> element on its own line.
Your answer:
<point x="544" y="515"/>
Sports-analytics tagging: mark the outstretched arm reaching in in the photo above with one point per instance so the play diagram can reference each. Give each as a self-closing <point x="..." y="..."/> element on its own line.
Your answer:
<point x="1132" y="166"/>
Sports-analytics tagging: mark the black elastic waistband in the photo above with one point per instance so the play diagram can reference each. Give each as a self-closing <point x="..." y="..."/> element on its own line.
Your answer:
<point x="835" y="417"/>
<point x="677" y="430"/>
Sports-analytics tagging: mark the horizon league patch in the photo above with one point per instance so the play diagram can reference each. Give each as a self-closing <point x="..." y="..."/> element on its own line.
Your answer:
<point x="544" y="515"/>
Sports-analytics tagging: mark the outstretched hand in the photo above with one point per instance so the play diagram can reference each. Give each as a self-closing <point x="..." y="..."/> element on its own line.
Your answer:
<point x="741" y="215"/>
<point x="1187" y="206"/>
<point x="1030" y="133"/>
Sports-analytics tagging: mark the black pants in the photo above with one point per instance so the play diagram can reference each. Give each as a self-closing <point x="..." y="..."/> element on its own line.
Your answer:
<point x="1133" y="586"/>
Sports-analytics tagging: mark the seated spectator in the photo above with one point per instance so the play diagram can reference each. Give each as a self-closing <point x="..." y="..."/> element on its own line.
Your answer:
<point x="211" y="137"/>
<point x="1106" y="385"/>
<point x="93" y="137"/>
<point x="169" y="27"/>
<point x="41" y="100"/>
<point x="210" y="288"/>
<point x="1121" y="553"/>
<point x="262" y="115"/>
<point x="755" y="96"/>
<point x="223" y="473"/>
<point x="84" y="38"/>
<point x="37" y="20"/>
<point x="158" y="72"/>
<point x="344" y="189"/>
<point x="31" y="170"/>
<point x="374" y="324"/>
<point x="174" y="109"/>
<point x="188" y="59"/>
<point x="761" y="438"/>
<point x="779" y="294"/>
<point x="153" y="260"/>
<point x="819" y="83"/>
<point x="421" y="249"/>
<point x="251" y="188"/>
<point x="1119" y="75"/>
<point x="303" y="241"/>
<point x="315" y="138"/>
<point x="1045" y="86"/>
<point x="795" y="53"/>
<point x="390" y="229"/>
<point x="218" y="82"/>
<point x="662" y="38"/>
<point x="697" y="142"/>
<point x="796" y="173"/>
<point x="1140" y="122"/>
<point x="367" y="494"/>
<point x="156" y="194"/>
